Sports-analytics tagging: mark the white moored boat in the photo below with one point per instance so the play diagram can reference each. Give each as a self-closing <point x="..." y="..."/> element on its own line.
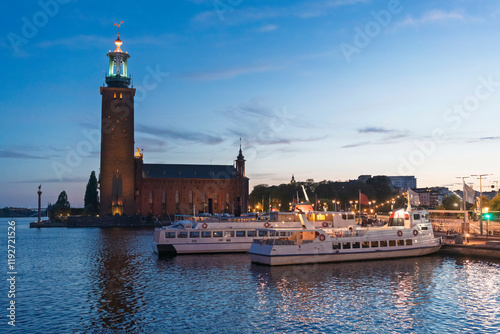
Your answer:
<point x="407" y="234"/>
<point x="237" y="234"/>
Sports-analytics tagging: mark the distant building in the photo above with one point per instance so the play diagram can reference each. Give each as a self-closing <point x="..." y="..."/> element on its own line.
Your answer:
<point x="432" y="197"/>
<point x="404" y="182"/>
<point x="398" y="182"/>
<point x="130" y="187"/>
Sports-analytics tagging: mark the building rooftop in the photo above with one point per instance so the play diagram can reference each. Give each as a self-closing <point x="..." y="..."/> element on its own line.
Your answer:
<point x="189" y="171"/>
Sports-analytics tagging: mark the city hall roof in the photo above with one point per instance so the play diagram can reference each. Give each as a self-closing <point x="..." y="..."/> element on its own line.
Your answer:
<point x="174" y="171"/>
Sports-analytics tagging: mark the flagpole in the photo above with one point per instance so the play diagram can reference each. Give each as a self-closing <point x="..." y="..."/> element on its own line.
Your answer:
<point x="359" y="219"/>
<point x="465" y="229"/>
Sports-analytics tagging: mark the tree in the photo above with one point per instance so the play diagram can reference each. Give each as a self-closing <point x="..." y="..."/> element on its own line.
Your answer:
<point x="62" y="207"/>
<point x="495" y="203"/>
<point x="485" y="202"/>
<point x="91" y="200"/>
<point x="451" y="202"/>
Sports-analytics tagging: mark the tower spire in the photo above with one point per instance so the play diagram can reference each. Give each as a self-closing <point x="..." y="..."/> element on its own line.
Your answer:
<point x="240" y="155"/>
<point x="117" y="74"/>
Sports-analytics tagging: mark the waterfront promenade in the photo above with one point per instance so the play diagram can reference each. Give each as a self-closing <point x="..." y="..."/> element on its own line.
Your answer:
<point x="477" y="246"/>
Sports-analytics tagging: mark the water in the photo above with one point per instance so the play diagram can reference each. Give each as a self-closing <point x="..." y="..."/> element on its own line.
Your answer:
<point x="109" y="281"/>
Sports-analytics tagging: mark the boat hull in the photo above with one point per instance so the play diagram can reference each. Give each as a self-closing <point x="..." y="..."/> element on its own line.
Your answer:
<point x="208" y="248"/>
<point x="297" y="258"/>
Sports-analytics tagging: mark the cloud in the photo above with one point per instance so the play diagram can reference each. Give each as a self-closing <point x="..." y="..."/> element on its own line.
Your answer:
<point x="180" y="134"/>
<point x="364" y="143"/>
<point x="89" y="41"/>
<point x="255" y="107"/>
<point x="238" y="14"/>
<point x="267" y="28"/>
<point x="432" y="16"/>
<point x="481" y="139"/>
<point x="227" y="73"/>
<point x="56" y="180"/>
<point x="374" y="129"/>
<point x="391" y="137"/>
<point x="11" y="154"/>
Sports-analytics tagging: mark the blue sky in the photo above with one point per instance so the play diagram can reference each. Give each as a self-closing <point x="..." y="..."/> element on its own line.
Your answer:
<point x="319" y="89"/>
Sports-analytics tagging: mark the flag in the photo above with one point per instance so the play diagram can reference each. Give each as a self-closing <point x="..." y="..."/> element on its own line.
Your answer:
<point x="363" y="199"/>
<point x="469" y="194"/>
<point x="414" y="197"/>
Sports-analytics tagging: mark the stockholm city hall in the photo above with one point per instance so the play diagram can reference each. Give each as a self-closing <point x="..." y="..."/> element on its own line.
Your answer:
<point x="128" y="186"/>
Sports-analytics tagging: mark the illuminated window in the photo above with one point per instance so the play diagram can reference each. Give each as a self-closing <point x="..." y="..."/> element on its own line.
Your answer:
<point x="121" y="96"/>
<point x="115" y="95"/>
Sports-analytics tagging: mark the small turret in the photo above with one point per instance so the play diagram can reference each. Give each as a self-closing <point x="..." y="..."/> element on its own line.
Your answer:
<point x="240" y="163"/>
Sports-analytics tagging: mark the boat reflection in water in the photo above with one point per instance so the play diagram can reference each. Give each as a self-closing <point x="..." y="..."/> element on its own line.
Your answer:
<point x="349" y="297"/>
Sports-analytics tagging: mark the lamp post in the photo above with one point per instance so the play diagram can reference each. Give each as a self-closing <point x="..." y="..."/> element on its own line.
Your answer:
<point x="350" y="205"/>
<point x="39" y="192"/>
<point x="334" y="204"/>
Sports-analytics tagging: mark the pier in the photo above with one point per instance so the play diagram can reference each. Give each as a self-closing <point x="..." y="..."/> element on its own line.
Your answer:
<point x="475" y="246"/>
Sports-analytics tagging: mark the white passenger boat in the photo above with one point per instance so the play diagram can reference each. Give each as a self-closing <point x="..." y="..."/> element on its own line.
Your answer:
<point x="407" y="234"/>
<point x="237" y="234"/>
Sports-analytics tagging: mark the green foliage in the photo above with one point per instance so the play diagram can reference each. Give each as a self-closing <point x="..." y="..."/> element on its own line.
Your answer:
<point x="91" y="200"/>
<point x="377" y="188"/>
<point x="62" y="207"/>
<point x="495" y="203"/>
<point x="485" y="202"/>
<point x="451" y="202"/>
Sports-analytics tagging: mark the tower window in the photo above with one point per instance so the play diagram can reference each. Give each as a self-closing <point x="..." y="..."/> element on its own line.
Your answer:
<point x="114" y="96"/>
<point x="121" y="96"/>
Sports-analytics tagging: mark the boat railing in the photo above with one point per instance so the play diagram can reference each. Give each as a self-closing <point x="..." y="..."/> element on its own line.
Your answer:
<point x="344" y="234"/>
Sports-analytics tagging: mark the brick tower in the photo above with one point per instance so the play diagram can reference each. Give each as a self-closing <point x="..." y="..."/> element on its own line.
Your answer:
<point x="117" y="138"/>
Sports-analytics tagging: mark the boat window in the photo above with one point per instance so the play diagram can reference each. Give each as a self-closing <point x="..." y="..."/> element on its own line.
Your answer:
<point x="409" y="242"/>
<point x="365" y="244"/>
<point x="356" y="245"/>
<point x="424" y="228"/>
<point x="396" y="222"/>
<point x="344" y="216"/>
<point x="392" y="243"/>
<point x="346" y="245"/>
<point x="251" y="233"/>
<point x="273" y="233"/>
<point x="228" y="234"/>
<point x="416" y="216"/>
<point x="350" y="216"/>
<point x="240" y="234"/>
<point x="374" y="243"/>
<point x="169" y="235"/>
<point x="401" y="242"/>
<point x="262" y="233"/>
<point x="182" y="235"/>
<point x="383" y="243"/>
<point x="217" y="234"/>
<point x="284" y="234"/>
<point x="194" y="234"/>
<point x="206" y="234"/>
<point x="335" y="245"/>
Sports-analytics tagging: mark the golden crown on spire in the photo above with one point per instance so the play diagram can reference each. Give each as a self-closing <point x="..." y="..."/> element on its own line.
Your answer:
<point x="118" y="41"/>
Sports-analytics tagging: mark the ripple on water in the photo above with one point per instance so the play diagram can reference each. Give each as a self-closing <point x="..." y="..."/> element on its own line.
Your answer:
<point x="91" y="280"/>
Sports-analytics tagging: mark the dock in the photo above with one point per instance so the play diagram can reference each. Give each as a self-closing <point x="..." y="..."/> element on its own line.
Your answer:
<point x="474" y="246"/>
<point x="97" y="222"/>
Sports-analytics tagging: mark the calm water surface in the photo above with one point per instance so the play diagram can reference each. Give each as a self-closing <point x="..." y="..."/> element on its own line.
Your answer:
<point x="109" y="281"/>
